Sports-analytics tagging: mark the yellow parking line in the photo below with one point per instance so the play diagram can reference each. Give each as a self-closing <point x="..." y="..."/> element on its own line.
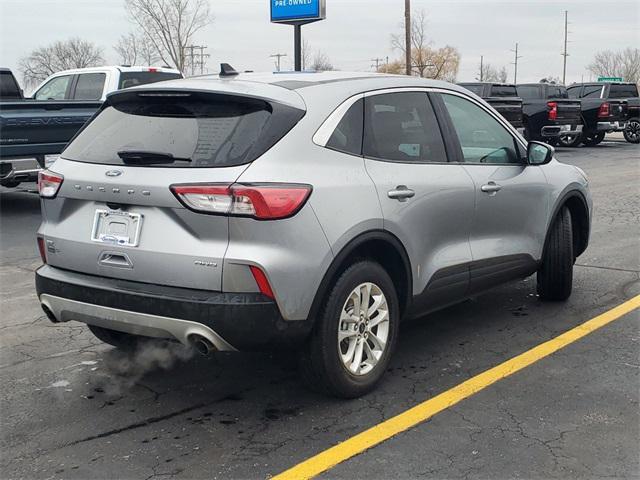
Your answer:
<point x="412" y="417"/>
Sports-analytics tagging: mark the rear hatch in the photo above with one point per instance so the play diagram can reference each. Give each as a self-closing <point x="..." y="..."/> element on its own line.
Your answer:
<point x="569" y="111"/>
<point x="509" y="108"/>
<point x="115" y="214"/>
<point x="504" y="98"/>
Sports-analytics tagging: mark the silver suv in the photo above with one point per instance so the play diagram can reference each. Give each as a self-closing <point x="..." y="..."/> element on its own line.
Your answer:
<point x="311" y="210"/>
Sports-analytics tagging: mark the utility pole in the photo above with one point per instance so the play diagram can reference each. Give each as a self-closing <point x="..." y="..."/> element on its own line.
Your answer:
<point x="202" y="57"/>
<point x="377" y="61"/>
<point x="481" y="68"/>
<point x="565" y="54"/>
<point x="515" y="62"/>
<point x="407" y="35"/>
<point x="278" y="56"/>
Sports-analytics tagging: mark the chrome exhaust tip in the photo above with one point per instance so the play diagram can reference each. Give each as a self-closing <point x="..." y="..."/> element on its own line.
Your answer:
<point x="202" y="345"/>
<point x="50" y="315"/>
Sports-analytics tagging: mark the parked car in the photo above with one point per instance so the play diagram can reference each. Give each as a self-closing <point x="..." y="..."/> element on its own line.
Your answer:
<point x="604" y="108"/>
<point x="205" y="211"/>
<point x="34" y="131"/>
<point x="502" y="97"/>
<point x="548" y="113"/>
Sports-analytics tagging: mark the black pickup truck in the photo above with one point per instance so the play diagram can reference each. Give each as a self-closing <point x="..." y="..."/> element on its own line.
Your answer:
<point x="34" y="131"/>
<point x="548" y="112"/>
<point x="608" y="107"/>
<point x="502" y="97"/>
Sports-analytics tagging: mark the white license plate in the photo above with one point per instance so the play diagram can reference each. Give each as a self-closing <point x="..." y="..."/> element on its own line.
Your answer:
<point x="117" y="228"/>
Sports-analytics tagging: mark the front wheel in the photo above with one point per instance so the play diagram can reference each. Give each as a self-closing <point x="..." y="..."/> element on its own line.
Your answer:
<point x="593" y="139"/>
<point x="354" y="337"/>
<point x="555" y="277"/>
<point x="632" y="132"/>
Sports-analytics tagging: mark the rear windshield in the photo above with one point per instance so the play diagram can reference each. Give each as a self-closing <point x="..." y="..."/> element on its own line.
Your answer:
<point x="131" y="79"/>
<point x="181" y="130"/>
<point x="623" y="91"/>
<point x="8" y="86"/>
<point x="528" y="91"/>
<point x="477" y="89"/>
<point x="503" y="91"/>
<point x="557" y="92"/>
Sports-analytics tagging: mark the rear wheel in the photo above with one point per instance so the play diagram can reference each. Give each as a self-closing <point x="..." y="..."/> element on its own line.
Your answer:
<point x="120" y="340"/>
<point x="351" y="344"/>
<point x="632" y="132"/>
<point x="553" y="141"/>
<point x="593" y="139"/>
<point x="571" y="140"/>
<point x="555" y="277"/>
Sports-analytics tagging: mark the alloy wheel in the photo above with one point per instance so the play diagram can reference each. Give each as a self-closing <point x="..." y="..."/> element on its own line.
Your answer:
<point x="363" y="330"/>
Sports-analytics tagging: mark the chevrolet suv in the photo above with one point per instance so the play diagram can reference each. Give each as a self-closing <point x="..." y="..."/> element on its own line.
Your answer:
<point x="312" y="211"/>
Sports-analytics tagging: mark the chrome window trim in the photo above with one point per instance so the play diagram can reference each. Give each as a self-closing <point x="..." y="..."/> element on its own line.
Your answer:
<point x="324" y="132"/>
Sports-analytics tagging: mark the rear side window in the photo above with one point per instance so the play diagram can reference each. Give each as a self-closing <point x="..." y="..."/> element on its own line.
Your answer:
<point x="132" y="79"/>
<point x="89" y="86"/>
<point x="528" y="91"/>
<point x="182" y="130"/>
<point x="574" y="92"/>
<point x="402" y="127"/>
<point x="592" y="91"/>
<point x="557" y="92"/>
<point x="503" y="91"/>
<point x="623" y="91"/>
<point x="347" y="137"/>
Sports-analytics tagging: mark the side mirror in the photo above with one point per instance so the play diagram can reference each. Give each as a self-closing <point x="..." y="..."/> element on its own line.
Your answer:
<point x="539" y="153"/>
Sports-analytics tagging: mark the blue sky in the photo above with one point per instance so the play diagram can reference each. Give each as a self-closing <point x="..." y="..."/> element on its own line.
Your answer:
<point x="354" y="32"/>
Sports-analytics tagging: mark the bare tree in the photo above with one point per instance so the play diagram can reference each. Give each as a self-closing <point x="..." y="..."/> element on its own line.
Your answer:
<point x="426" y="61"/>
<point x="502" y="75"/>
<point x="134" y="49"/>
<point x="305" y="53"/>
<point x="625" y="64"/>
<point x="321" y="62"/>
<point x="170" y="25"/>
<point x="490" y="73"/>
<point x="60" y="55"/>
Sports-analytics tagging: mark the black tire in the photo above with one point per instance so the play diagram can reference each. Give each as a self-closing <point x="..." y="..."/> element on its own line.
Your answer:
<point x="121" y="340"/>
<point x="593" y="139"/>
<point x="553" y="141"/>
<point x="632" y="132"/>
<point x="570" y="140"/>
<point x="555" y="276"/>
<point x="320" y="363"/>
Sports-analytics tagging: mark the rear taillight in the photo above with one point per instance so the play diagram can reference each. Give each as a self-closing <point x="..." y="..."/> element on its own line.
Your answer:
<point x="264" y="201"/>
<point x="49" y="183"/>
<point x="553" y="110"/>
<point x="261" y="280"/>
<point x="41" y="248"/>
<point x="605" y="110"/>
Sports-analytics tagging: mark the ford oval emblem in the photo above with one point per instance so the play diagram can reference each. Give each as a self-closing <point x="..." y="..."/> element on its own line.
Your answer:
<point x="113" y="173"/>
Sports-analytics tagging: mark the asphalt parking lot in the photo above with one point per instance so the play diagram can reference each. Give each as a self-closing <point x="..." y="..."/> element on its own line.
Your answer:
<point x="75" y="408"/>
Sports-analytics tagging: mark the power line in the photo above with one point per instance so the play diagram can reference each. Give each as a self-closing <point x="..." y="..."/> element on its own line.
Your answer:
<point x="193" y="57"/>
<point x="515" y="63"/>
<point x="278" y="56"/>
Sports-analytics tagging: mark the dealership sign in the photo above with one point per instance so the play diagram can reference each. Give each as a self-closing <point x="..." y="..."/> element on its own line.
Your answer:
<point x="297" y="11"/>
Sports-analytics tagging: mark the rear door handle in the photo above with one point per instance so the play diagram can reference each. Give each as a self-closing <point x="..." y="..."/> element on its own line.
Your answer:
<point x="491" y="188"/>
<point x="401" y="193"/>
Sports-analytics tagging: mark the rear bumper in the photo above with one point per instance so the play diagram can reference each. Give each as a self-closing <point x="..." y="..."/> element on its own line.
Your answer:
<point x="19" y="170"/>
<point x="557" y="130"/>
<point x="616" y="126"/>
<point x="230" y="321"/>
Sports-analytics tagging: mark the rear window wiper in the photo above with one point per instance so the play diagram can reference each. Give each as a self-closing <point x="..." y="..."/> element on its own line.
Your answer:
<point x="137" y="157"/>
